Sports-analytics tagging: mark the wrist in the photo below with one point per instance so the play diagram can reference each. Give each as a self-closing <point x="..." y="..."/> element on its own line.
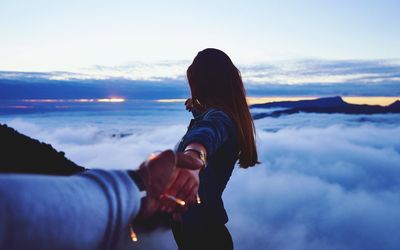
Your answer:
<point x="138" y="179"/>
<point x="198" y="154"/>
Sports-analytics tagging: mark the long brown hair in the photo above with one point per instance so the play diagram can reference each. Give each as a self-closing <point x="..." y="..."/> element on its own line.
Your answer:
<point x="216" y="82"/>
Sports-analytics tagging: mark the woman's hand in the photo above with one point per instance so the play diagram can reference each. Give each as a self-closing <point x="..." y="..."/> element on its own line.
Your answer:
<point x="184" y="185"/>
<point x="194" y="105"/>
<point x="189" y="104"/>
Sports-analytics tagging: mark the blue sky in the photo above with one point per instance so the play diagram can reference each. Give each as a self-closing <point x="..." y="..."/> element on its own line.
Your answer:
<point x="48" y="35"/>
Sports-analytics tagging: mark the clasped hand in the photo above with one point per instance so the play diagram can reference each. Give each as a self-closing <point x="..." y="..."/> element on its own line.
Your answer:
<point x="184" y="185"/>
<point x="171" y="181"/>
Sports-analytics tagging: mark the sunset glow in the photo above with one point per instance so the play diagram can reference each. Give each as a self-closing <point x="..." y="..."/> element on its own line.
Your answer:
<point x="371" y="100"/>
<point x="74" y="100"/>
<point x="44" y="100"/>
<point x="111" y="100"/>
<point x="257" y="100"/>
<point x="368" y="100"/>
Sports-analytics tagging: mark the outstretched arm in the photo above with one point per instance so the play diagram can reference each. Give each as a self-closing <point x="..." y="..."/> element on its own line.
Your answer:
<point x="211" y="132"/>
<point x="92" y="210"/>
<point x="86" y="211"/>
<point x="202" y="140"/>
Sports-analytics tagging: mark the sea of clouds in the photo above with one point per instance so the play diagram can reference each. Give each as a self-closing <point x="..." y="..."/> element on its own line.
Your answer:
<point x="324" y="182"/>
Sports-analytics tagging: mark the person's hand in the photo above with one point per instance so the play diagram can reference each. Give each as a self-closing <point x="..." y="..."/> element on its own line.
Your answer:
<point x="156" y="173"/>
<point x="184" y="188"/>
<point x="194" y="105"/>
<point x="189" y="104"/>
<point x="184" y="184"/>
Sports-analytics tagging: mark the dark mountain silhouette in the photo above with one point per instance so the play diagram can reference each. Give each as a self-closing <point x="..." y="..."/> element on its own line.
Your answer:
<point x="328" y="105"/>
<point x="321" y="102"/>
<point x="395" y="105"/>
<point x="22" y="154"/>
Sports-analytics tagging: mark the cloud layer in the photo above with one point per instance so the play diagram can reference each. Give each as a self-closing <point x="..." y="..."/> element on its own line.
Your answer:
<point x="325" y="182"/>
<point x="320" y="188"/>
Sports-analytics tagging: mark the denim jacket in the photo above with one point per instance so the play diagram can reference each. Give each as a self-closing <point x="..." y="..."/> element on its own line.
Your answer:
<point x="215" y="130"/>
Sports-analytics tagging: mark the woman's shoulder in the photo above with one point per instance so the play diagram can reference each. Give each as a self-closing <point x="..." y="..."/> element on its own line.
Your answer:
<point x="211" y="113"/>
<point x="216" y="115"/>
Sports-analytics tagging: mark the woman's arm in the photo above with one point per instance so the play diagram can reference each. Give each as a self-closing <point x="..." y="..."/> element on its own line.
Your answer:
<point x="197" y="151"/>
<point x="201" y="141"/>
<point x="211" y="132"/>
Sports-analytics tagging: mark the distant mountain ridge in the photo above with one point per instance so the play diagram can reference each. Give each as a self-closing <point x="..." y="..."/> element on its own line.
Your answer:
<point x="328" y="105"/>
<point x="321" y="102"/>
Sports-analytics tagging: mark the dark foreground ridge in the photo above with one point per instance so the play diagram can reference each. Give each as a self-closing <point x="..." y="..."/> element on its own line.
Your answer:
<point x="22" y="154"/>
<point x="327" y="105"/>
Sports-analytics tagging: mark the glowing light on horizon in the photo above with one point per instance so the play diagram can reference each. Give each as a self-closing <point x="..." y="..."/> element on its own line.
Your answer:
<point x="111" y="100"/>
<point x="43" y="100"/>
<point x="371" y="100"/>
<point x="368" y="100"/>
<point x="84" y="100"/>
<point x="258" y="100"/>
<point x="74" y="100"/>
<point x="58" y="100"/>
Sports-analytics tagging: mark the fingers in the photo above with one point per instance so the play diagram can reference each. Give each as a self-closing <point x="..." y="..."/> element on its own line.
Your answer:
<point x="184" y="192"/>
<point x="158" y="172"/>
<point x="184" y="188"/>
<point x="188" y="162"/>
<point x="167" y="203"/>
<point x="174" y="176"/>
<point x="188" y="101"/>
<point x="166" y="157"/>
<point x="191" y="194"/>
<point x="189" y="191"/>
<point x="178" y="185"/>
<point x="163" y="177"/>
<point x="189" y="104"/>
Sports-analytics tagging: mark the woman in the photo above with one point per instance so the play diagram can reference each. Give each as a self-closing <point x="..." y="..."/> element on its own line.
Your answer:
<point x="221" y="133"/>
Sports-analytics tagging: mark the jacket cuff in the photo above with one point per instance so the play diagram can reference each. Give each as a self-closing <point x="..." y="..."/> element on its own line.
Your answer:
<point x="137" y="179"/>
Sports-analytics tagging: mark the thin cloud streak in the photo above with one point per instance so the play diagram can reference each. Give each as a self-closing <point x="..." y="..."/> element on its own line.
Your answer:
<point x="279" y="72"/>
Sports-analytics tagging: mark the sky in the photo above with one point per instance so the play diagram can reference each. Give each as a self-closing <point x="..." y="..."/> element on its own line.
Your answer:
<point x="48" y="35"/>
<point x="325" y="182"/>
